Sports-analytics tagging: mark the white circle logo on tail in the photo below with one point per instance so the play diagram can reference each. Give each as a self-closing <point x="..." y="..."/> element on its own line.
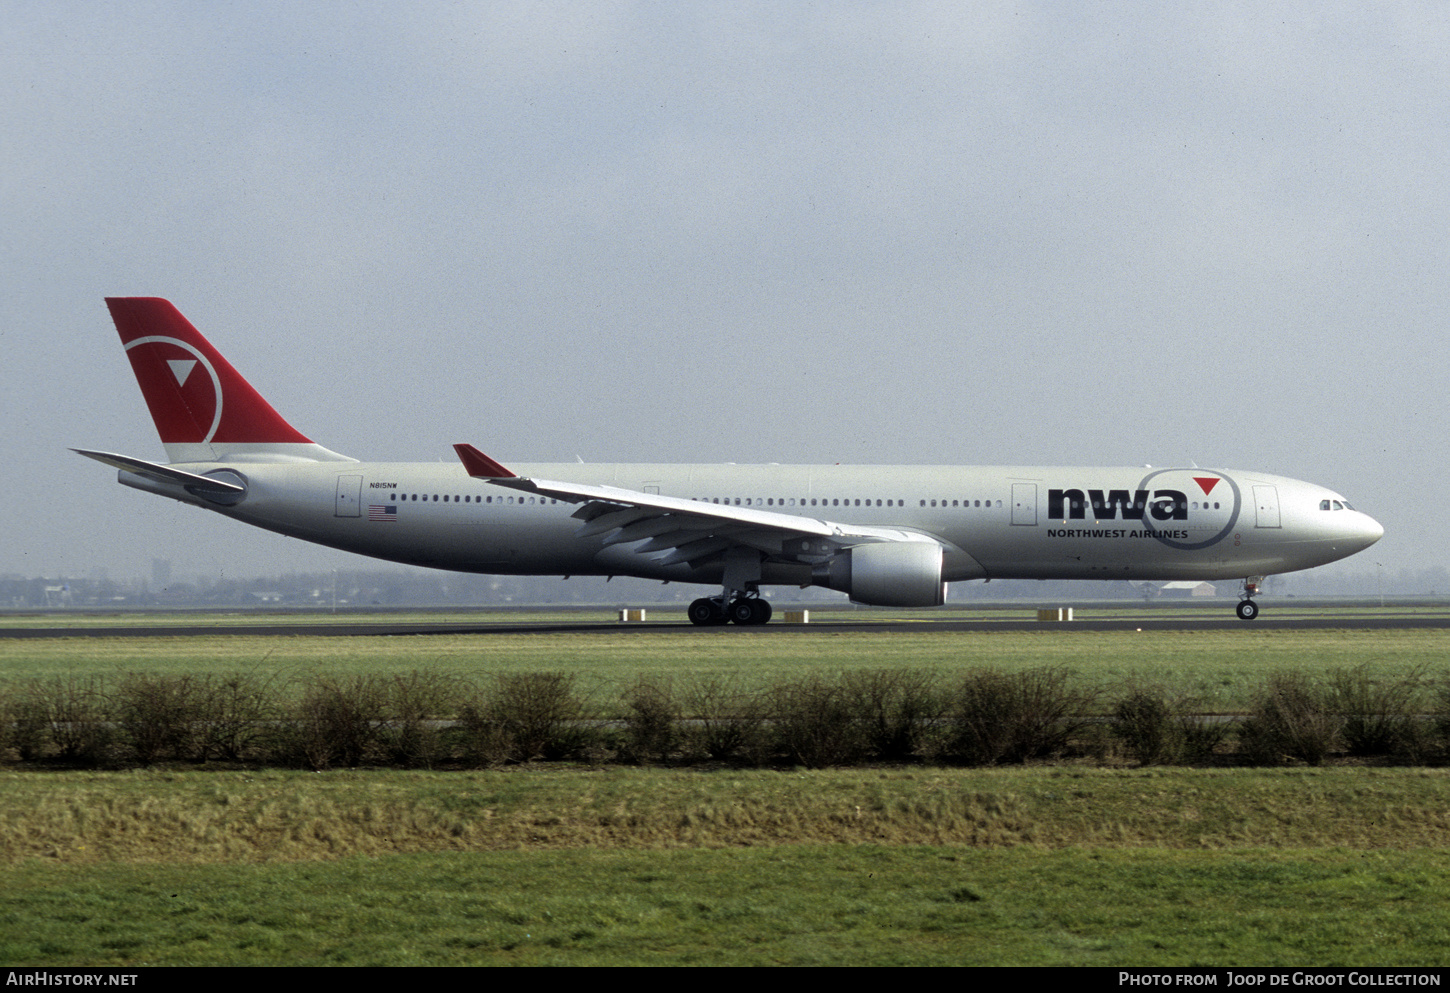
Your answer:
<point x="181" y="370"/>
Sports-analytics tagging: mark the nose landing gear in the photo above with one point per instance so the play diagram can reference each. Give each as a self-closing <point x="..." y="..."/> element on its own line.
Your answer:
<point x="1247" y="609"/>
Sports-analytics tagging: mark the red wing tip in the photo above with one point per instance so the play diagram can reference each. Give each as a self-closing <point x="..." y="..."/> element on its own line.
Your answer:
<point x="480" y="465"/>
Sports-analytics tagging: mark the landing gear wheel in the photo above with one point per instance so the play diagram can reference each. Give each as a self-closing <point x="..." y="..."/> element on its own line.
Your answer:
<point x="1247" y="610"/>
<point x="750" y="611"/>
<point x="705" y="612"/>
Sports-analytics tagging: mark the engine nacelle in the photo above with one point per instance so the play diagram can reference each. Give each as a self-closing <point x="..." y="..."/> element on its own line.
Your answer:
<point x="887" y="574"/>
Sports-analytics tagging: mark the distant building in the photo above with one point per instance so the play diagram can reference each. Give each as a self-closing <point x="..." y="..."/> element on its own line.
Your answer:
<point x="1187" y="589"/>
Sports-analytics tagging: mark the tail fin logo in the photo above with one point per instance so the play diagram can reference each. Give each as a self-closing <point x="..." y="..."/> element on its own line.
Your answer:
<point x="203" y="407"/>
<point x="195" y="411"/>
<point x="181" y="368"/>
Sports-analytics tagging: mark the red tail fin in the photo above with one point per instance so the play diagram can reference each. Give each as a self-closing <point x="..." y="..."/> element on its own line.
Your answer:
<point x="194" y="394"/>
<point x="204" y="410"/>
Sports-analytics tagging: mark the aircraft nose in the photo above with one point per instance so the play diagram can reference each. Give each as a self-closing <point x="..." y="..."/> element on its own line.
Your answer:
<point x="1364" y="531"/>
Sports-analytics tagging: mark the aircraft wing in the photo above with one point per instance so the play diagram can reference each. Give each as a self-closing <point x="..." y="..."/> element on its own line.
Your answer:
<point x="688" y="530"/>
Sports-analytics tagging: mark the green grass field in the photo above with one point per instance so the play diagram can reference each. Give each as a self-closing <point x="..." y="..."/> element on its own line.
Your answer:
<point x="1043" y="866"/>
<point x="798" y="905"/>
<point x="560" y="864"/>
<point x="1214" y="666"/>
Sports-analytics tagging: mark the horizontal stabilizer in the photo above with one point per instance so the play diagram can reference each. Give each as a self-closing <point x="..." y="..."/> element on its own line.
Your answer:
<point x="162" y="473"/>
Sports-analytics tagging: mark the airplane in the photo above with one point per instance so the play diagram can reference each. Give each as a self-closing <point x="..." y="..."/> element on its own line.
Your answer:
<point x="889" y="535"/>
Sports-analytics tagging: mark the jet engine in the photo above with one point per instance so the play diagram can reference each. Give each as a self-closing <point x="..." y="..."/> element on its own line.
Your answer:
<point x="887" y="574"/>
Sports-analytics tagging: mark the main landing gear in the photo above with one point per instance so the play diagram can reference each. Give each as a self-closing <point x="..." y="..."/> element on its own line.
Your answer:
<point x="1247" y="609"/>
<point x="745" y="609"/>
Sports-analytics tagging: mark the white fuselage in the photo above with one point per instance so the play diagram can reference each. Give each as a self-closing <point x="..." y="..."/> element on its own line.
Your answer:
<point x="1000" y="522"/>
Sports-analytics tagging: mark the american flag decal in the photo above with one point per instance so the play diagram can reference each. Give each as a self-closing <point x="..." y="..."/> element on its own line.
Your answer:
<point x="382" y="512"/>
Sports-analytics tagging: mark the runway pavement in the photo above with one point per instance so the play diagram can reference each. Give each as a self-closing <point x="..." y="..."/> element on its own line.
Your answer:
<point x="378" y="625"/>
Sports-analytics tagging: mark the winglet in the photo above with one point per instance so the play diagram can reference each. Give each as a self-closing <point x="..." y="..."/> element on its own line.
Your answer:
<point x="480" y="466"/>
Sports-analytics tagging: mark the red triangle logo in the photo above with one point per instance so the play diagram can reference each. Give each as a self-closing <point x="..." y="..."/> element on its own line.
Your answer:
<point x="1206" y="483"/>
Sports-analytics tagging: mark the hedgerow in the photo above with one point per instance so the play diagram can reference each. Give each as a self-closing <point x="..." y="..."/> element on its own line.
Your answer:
<point x="884" y="716"/>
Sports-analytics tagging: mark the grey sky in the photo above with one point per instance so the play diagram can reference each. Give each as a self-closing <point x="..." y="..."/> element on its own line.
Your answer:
<point x="780" y="232"/>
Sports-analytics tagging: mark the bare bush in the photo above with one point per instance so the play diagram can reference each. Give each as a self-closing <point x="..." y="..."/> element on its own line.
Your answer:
<point x="727" y="721"/>
<point x="1143" y="722"/>
<point x="1157" y="726"/>
<point x="484" y="741"/>
<point x="897" y="709"/>
<point x="336" y="722"/>
<point x="415" y="707"/>
<point x="1200" y="734"/>
<point x="8" y="721"/>
<point x="159" y="716"/>
<point x="816" y="723"/>
<point x="71" y="715"/>
<point x="651" y="720"/>
<point x="534" y="716"/>
<point x="1291" y="718"/>
<point x="29" y="722"/>
<point x="1442" y="714"/>
<point x="240" y="717"/>
<point x="1013" y="717"/>
<point x="1380" y="717"/>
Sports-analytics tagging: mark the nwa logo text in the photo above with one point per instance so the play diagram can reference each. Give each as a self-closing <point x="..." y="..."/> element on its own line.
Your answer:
<point x="1163" y="505"/>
